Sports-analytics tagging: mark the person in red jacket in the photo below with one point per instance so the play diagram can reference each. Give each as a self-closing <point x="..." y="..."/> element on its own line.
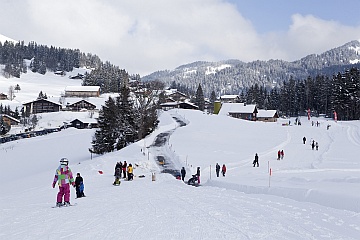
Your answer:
<point x="223" y="170"/>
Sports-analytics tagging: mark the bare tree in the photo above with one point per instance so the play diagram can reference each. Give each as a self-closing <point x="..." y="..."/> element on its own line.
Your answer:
<point x="11" y="93"/>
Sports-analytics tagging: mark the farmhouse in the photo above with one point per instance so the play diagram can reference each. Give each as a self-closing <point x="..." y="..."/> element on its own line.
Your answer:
<point x="84" y="123"/>
<point x="41" y="106"/>
<point x="177" y="96"/>
<point x="82" y="91"/>
<point x="3" y="96"/>
<point x="239" y="110"/>
<point x="10" y="120"/>
<point x="183" y="105"/>
<point x="80" y="105"/>
<point x="229" y="98"/>
<point x="267" y="115"/>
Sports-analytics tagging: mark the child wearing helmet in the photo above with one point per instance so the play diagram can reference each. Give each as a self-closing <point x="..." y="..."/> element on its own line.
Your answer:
<point x="64" y="177"/>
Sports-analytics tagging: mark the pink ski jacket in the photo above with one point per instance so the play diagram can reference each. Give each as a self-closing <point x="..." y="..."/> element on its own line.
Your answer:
<point x="63" y="175"/>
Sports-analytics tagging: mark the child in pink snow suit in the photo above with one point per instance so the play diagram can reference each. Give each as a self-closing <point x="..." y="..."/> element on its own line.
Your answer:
<point x="64" y="178"/>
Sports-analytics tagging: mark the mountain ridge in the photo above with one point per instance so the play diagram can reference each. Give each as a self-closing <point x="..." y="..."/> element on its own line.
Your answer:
<point x="232" y="76"/>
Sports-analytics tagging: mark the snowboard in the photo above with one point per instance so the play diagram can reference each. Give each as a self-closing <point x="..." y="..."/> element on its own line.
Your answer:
<point x="63" y="206"/>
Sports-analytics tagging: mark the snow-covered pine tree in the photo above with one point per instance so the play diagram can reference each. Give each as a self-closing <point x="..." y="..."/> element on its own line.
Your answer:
<point x="105" y="137"/>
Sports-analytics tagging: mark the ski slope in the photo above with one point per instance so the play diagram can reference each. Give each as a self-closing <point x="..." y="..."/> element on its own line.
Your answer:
<point x="310" y="194"/>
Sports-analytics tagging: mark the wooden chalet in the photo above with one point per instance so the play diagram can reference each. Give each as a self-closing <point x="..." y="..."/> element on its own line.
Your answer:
<point x="9" y="119"/>
<point x="239" y="110"/>
<point x="84" y="123"/>
<point x="178" y="96"/>
<point x="82" y="91"/>
<point x="183" y="105"/>
<point x="41" y="106"/>
<point x="230" y="98"/>
<point x="267" y="115"/>
<point x="3" y="96"/>
<point x="80" y="105"/>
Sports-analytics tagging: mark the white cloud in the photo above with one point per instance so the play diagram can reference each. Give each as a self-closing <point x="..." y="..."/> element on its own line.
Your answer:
<point x="145" y="36"/>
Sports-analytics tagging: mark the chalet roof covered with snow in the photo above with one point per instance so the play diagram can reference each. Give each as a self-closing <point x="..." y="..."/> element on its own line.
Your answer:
<point x="227" y="108"/>
<point x="266" y="113"/>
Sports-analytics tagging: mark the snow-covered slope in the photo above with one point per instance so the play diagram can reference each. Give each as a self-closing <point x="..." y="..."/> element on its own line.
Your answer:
<point x="310" y="195"/>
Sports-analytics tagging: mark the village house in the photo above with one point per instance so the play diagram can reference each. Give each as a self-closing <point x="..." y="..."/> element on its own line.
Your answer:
<point x="183" y="105"/>
<point x="82" y="91"/>
<point x="80" y="105"/>
<point x="267" y="115"/>
<point x="229" y="98"/>
<point x="177" y="96"/>
<point x="3" y="96"/>
<point x="41" y="106"/>
<point x="9" y="120"/>
<point x="84" y="123"/>
<point x="239" y="110"/>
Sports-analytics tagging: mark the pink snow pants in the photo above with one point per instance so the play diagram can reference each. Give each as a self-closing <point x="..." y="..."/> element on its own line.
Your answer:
<point x="64" y="191"/>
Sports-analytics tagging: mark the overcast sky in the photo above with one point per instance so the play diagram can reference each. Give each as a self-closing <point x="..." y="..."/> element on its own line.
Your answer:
<point x="143" y="36"/>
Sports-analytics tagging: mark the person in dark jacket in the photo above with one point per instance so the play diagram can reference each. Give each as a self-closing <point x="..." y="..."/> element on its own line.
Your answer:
<point x="118" y="169"/>
<point x="217" y="169"/>
<point x="124" y="168"/>
<point x="304" y="140"/>
<point x="223" y="170"/>
<point x="79" y="185"/>
<point x="256" y="160"/>
<point x="183" y="173"/>
<point x="198" y="174"/>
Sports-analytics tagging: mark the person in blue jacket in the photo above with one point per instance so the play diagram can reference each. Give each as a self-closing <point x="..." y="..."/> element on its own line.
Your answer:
<point x="79" y="184"/>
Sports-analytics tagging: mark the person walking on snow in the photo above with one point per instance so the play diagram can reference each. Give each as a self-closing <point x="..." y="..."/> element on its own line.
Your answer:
<point x="317" y="146"/>
<point x="217" y="169"/>
<point x="64" y="177"/>
<point x="279" y="153"/>
<point x="130" y="172"/>
<point x="313" y="145"/>
<point x="256" y="160"/>
<point x="304" y="140"/>
<point x="282" y="154"/>
<point x="223" y="170"/>
<point x="79" y="185"/>
<point x="183" y="173"/>
<point x="124" y="168"/>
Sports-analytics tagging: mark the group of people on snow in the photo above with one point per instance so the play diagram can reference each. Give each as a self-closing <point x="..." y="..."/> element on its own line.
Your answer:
<point x="125" y="169"/>
<point x="280" y="155"/>
<point x="217" y="170"/>
<point x="64" y="178"/>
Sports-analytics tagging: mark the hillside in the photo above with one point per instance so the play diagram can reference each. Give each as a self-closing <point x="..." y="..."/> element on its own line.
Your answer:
<point x="231" y="76"/>
<point x="310" y="194"/>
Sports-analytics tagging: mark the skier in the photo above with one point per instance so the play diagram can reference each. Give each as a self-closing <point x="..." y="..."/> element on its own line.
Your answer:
<point x="124" y="166"/>
<point x="256" y="160"/>
<point x="217" y="168"/>
<point x="198" y="174"/>
<point x="304" y="140"/>
<point x="282" y="154"/>
<point x="64" y="177"/>
<point x="130" y="172"/>
<point x="223" y="170"/>
<point x="79" y="184"/>
<point x="279" y="153"/>
<point x="183" y="173"/>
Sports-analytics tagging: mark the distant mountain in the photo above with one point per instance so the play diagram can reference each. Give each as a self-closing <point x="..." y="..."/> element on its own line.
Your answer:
<point x="232" y="76"/>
